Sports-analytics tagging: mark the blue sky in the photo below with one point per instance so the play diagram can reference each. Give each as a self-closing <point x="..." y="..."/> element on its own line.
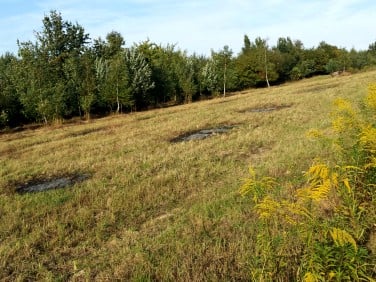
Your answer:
<point x="199" y="26"/>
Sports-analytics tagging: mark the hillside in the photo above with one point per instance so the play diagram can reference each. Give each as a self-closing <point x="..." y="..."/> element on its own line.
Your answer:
<point x="150" y="207"/>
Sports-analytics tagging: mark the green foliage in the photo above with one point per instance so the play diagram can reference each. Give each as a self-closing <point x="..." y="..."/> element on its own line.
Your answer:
<point x="10" y="105"/>
<point x="305" y="68"/>
<point x="187" y="77"/>
<point x="287" y="55"/>
<point x="223" y="60"/>
<point x="116" y="84"/>
<point x="139" y="76"/>
<point x="115" y="42"/>
<point x="255" y="65"/>
<point x="56" y="77"/>
<point x="46" y="91"/>
<point x="211" y="78"/>
<point x="329" y="218"/>
<point x="332" y="66"/>
<point x="3" y="119"/>
<point x="164" y="65"/>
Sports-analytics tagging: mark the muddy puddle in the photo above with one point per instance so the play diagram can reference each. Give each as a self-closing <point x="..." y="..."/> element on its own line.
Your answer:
<point x="201" y="134"/>
<point x="40" y="185"/>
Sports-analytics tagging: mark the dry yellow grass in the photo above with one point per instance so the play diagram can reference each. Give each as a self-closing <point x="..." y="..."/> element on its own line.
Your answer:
<point x="153" y="209"/>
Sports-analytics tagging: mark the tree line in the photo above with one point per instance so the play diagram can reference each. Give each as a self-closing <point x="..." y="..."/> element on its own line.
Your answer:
<point x="64" y="74"/>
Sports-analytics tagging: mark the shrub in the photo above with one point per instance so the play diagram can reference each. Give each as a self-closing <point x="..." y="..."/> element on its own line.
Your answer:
<point x="321" y="232"/>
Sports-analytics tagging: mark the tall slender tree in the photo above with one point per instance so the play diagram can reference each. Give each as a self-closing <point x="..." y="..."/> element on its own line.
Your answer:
<point x="226" y="55"/>
<point x="116" y="83"/>
<point x="139" y="77"/>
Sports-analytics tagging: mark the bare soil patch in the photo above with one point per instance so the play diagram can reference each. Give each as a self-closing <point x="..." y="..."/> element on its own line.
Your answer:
<point x="319" y="88"/>
<point x="85" y="132"/>
<point x="265" y="108"/>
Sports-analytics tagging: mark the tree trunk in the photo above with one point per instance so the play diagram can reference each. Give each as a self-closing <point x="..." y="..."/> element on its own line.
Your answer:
<point x="266" y="71"/>
<point x="117" y="97"/>
<point x="224" y="79"/>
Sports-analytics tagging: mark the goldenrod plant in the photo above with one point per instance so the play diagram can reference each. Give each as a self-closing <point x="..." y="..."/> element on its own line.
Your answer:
<point x="323" y="231"/>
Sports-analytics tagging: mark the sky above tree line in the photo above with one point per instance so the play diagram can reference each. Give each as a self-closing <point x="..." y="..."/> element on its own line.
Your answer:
<point x="199" y="25"/>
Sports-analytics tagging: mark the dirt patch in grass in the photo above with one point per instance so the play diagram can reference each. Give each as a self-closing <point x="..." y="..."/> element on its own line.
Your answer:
<point x="223" y="101"/>
<point x="146" y="117"/>
<point x="158" y="221"/>
<point x="320" y="88"/>
<point x="265" y="108"/>
<point x="17" y="129"/>
<point x="9" y="151"/>
<point x="85" y="132"/>
<point x="40" y="184"/>
<point x="13" y="151"/>
<point x="202" y="133"/>
<point x="317" y="88"/>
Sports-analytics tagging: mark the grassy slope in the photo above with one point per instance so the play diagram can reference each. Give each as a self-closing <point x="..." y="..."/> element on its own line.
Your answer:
<point x="153" y="209"/>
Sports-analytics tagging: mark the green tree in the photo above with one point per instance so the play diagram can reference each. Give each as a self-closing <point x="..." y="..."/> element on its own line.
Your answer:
<point x="116" y="90"/>
<point x="247" y="45"/>
<point x="139" y="77"/>
<point x="303" y="69"/>
<point x="372" y="48"/>
<point x="224" y="60"/>
<point x="322" y="55"/>
<point x="371" y="57"/>
<point x="115" y="43"/>
<point x="10" y="105"/>
<point x="34" y="84"/>
<point x="163" y="63"/>
<point x="254" y="65"/>
<point x="45" y="86"/>
<point x="187" y="77"/>
<point x="111" y="73"/>
<point x="344" y="59"/>
<point x="286" y="56"/>
<point x="198" y="62"/>
<point x="211" y="76"/>
<point x="81" y="79"/>
<point x="358" y="59"/>
<point x="101" y="68"/>
<point x="332" y="66"/>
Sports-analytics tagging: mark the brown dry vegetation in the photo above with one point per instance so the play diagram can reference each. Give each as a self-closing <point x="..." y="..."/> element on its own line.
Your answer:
<point x="152" y="209"/>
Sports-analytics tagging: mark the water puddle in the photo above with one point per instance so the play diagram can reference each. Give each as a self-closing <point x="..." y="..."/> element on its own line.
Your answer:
<point x="39" y="185"/>
<point x="202" y="134"/>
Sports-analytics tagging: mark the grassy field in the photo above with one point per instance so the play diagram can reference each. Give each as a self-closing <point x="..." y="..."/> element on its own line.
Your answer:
<point x="153" y="209"/>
